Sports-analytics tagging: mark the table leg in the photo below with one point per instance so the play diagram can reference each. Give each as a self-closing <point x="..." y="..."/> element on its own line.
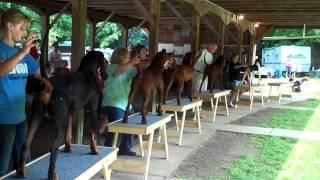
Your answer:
<point x="226" y="104"/>
<point x="269" y="93"/>
<point x="107" y="171"/>
<point x="160" y="134"/>
<point x="212" y="108"/>
<point x="176" y="119"/>
<point x="279" y="94"/>
<point x="262" y="100"/>
<point x="164" y="128"/>
<point x="148" y="155"/>
<point x="198" y="118"/>
<point x="251" y="91"/>
<point x="182" y="126"/>
<point x="115" y="140"/>
<point x="141" y="145"/>
<point x="215" y="110"/>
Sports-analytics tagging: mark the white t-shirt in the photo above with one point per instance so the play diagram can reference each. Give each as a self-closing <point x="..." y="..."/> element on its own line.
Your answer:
<point x="205" y="58"/>
<point x="54" y="56"/>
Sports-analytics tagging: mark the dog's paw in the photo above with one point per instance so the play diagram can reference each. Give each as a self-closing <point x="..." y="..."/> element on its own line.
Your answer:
<point x="21" y="172"/>
<point x="67" y="149"/>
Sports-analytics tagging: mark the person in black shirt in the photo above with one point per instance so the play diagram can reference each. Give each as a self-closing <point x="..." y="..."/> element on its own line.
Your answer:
<point x="234" y="76"/>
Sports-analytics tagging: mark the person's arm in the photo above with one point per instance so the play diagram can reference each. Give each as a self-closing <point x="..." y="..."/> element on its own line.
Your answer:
<point x="121" y="68"/>
<point x="240" y="66"/>
<point x="8" y="65"/>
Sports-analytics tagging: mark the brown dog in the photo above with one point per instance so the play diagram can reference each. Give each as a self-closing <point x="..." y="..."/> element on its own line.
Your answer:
<point x="182" y="74"/>
<point x="215" y="74"/>
<point x="149" y="80"/>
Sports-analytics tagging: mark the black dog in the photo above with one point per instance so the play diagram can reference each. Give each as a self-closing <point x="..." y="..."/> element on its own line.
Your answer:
<point x="70" y="93"/>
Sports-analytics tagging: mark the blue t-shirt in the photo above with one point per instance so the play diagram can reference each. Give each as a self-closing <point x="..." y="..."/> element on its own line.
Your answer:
<point x="12" y="86"/>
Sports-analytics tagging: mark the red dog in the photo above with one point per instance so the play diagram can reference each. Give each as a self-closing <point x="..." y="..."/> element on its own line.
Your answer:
<point x="149" y="80"/>
<point x="181" y="74"/>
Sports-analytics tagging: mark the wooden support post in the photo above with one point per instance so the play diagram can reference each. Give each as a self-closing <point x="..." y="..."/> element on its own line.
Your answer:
<point x="252" y="49"/>
<point x="93" y="29"/>
<point x="222" y="38"/>
<point x="154" y="36"/>
<point x="79" y="20"/>
<point x="45" y="19"/>
<point x="154" y="29"/>
<point x="195" y="32"/>
<point x="240" y="35"/>
<point x="125" y="37"/>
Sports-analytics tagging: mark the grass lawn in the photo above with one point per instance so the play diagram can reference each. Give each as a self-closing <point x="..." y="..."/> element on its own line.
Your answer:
<point x="282" y="158"/>
<point x="297" y="119"/>
<point x="310" y="103"/>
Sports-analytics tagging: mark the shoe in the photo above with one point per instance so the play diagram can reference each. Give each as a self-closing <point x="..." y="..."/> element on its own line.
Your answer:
<point x="129" y="153"/>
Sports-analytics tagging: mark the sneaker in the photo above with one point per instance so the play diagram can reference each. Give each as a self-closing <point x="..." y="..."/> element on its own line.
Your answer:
<point x="129" y="153"/>
<point x="231" y="105"/>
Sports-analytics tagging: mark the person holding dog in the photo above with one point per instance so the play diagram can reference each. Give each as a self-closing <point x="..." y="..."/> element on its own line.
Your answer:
<point x="204" y="59"/>
<point x="121" y="70"/>
<point x="16" y="64"/>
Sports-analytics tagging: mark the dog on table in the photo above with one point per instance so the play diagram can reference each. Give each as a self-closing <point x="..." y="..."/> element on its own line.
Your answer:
<point x="147" y="81"/>
<point x="182" y="74"/>
<point x="215" y="74"/>
<point x="69" y="94"/>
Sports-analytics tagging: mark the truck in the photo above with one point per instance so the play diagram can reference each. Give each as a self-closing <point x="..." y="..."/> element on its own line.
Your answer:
<point x="282" y="58"/>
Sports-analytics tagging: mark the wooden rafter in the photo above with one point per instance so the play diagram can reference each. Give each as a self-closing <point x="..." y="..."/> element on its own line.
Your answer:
<point x="210" y="26"/>
<point x="105" y="22"/>
<point x="177" y="13"/>
<point x="144" y="11"/>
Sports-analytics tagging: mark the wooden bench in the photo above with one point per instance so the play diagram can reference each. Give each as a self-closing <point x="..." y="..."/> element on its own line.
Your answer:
<point x="78" y="165"/>
<point x="280" y="94"/>
<point x="251" y="89"/>
<point x="186" y="104"/>
<point x="134" y="126"/>
<point x="215" y="96"/>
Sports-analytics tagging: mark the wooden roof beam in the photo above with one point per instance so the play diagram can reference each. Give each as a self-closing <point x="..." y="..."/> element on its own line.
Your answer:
<point x="210" y="26"/>
<point x="177" y="13"/>
<point x="143" y="10"/>
<point x="105" y="22"/>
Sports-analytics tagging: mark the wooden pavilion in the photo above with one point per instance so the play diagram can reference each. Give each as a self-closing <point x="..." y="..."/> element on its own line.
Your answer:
<point x="241" y="23"/>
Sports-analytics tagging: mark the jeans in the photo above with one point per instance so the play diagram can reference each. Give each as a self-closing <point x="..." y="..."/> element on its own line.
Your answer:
<point x="12" y="138"/>
<point x="114" y="114"/>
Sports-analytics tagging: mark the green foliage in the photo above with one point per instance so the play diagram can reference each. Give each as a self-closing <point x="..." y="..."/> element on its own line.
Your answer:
<point x="62" y="31"/>
<point x="282" y="158"/>
<point x="289" y="33"/>
<point x="138" y="36"/>
<point x="108" y="34"/>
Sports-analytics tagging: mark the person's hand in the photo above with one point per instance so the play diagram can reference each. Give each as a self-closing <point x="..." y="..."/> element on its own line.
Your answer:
<point x="136" y="60"/>
<point x="29" y="43"/>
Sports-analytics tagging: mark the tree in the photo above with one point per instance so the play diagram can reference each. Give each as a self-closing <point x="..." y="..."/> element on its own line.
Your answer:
<point x="289" y="33"/>
<point x="109" y="34"/>
<point x="137" y="36"/>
